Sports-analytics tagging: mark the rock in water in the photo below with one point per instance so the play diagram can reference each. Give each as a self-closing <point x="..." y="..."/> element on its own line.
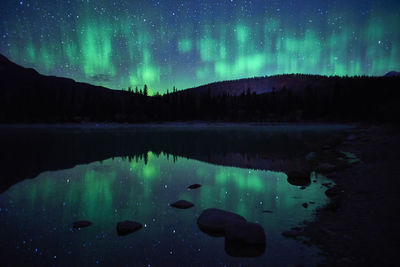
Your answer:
<point x="299" y="178"/>
<point x="82" y="224"/>
<point x="127" y="227"/>
<point x="242" y="238"/>
<point x="194" y="186"/>
<point x="214" y="220"/>
<point x="267" y="211"/>
<point x="245" y="232"/>
<point x="182" y="204"/>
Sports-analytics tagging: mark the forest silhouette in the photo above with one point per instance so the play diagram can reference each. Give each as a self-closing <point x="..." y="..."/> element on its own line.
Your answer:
<point x="28" y="97"/>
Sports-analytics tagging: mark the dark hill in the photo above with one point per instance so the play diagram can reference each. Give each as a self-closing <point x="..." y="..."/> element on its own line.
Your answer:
<point x="260" y="85"/>
<point x="27" y="96"/>
<point x="17" y="78"/>
<point x="392" y="74"/>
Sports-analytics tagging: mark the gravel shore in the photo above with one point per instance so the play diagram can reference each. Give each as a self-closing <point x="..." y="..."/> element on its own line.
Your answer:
<point x="360" y="226"/>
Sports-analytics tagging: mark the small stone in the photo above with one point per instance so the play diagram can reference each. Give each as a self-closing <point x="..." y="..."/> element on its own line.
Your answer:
<point x="127" y="227"/>
<point x="182" y="204"/>
<point x="267" y="211"/>
<point x="194" y="186"/>
<point x="305" y="205"/>
<point x="81" y="224"/>
<point x="302" y="187"/>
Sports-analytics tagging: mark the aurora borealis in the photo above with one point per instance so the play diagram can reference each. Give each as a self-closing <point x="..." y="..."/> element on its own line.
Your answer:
<point x="188" y="43"/>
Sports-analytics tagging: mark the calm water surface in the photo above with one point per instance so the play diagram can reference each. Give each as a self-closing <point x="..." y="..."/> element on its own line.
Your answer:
<point x="36" y="215"/>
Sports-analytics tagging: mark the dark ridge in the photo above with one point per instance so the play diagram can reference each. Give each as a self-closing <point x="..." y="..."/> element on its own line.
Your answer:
<point x="392" y="74"/>
<point x="27" y="96"/>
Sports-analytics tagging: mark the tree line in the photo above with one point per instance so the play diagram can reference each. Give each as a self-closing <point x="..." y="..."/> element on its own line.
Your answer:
<point x="343" y="99"/>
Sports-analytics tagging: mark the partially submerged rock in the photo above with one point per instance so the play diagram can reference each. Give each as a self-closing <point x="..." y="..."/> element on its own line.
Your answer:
<point x="194" y="186"/>
<point x="242" y="238"/>
<point x="81" y="224"/>
<point x="299" y="178"/>
<point x="215" y="220"/>
<point x="127" y="227"/>
<point x="245" y="232"/>
<point x="182" y="204"/>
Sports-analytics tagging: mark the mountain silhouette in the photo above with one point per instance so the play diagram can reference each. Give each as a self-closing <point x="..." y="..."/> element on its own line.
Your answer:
<point x="17" y="78"/>
<point x="29" y="97"/>
<point x="266" y="84"/>
<point x="26" y="95"/>
<point x="392" y="74"/>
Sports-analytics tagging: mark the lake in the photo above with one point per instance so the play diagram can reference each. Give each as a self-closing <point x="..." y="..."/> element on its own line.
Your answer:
<point x="54" y="176"/>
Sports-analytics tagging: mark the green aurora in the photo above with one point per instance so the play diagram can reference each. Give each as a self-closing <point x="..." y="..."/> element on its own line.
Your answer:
<point x="189" y="43"/>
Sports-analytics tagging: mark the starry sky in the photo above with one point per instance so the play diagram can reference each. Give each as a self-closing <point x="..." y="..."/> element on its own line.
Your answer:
<point x="188" y="43"/>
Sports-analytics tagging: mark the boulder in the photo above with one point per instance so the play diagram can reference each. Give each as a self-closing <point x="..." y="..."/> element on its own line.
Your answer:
<point x="242" y="238"/>
<point x="214" y="220"/>
<point x="248" y="233"/>
<point x="127" y="227"/>
<point x="182" y="204"/>
<point x="194" y="186"/>
<point x="81" y="224"/>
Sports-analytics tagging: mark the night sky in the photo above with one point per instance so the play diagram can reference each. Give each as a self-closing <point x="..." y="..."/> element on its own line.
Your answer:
<point x="187" y="43"/>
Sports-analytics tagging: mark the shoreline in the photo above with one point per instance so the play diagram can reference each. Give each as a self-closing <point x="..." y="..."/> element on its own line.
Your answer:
<point x="359" y="226"/>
